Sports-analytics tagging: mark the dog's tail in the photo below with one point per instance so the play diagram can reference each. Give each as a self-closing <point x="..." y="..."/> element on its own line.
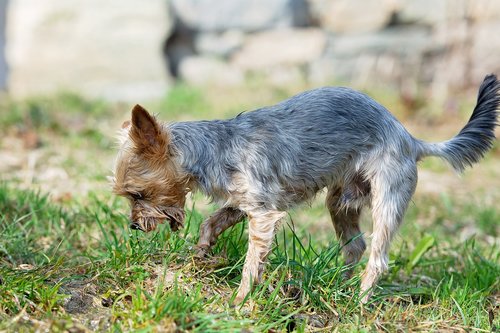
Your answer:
<point x="477" y="137"/>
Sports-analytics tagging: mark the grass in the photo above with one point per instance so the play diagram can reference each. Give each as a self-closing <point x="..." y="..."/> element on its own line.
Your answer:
<point x="82" y="267"/>
<point x="69" y="262"/>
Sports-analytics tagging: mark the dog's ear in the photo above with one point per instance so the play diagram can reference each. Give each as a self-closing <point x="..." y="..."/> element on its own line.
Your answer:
<point x="144" y="126"/>
<point x="145" y="132"/>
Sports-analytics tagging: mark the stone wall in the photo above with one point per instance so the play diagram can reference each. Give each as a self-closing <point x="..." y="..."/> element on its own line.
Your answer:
<point x="131" y="49"/>
<point x="428" y="47"/>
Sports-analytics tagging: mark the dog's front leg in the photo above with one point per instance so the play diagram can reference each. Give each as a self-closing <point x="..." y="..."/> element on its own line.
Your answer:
<point x="216" y="224"/>
<point x="261" y="227"/>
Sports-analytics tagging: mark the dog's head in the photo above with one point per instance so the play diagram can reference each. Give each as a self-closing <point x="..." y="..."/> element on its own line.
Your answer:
<point x="147" y="173"/>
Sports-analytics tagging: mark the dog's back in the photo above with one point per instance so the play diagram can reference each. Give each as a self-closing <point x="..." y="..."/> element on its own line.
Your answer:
<point x="295" y="148"/>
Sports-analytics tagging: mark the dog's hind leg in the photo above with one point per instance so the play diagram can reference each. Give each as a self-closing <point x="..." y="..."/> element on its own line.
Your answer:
<point x="215" y="225"/>
<point x="346" y="223"/>
<point x="261" y="228"/>
<point x="393" y="184"/>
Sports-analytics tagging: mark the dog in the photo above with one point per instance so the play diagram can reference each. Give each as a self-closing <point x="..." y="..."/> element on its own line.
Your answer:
<point x="261" y="163"/>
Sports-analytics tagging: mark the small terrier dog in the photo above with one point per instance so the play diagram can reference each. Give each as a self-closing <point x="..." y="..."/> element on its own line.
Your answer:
<point x="261" y="163"/>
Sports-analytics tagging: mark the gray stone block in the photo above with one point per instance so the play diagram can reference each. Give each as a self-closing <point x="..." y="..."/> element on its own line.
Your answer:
<point x="204" y="70"/>
<point x="281" y="47"/>
<point x="352" y="16"/>
<point x="248" y="16"/>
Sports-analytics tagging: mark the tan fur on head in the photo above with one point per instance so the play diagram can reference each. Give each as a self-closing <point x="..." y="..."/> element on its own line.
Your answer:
<point x="147" y="173"/>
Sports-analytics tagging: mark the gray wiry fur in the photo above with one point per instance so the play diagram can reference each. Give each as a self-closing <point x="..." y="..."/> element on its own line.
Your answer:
<point x="293" y="149"/>
<point x="477" y="137"/>
<point x="318" y="138"/>
<point x="261" y="163"/>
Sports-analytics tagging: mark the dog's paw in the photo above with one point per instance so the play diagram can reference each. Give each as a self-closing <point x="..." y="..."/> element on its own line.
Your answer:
<point x="347" y="274"/>
<point x="238" y="300"/>
<point x="366" y="297"/>
<point x="201" y="251"/>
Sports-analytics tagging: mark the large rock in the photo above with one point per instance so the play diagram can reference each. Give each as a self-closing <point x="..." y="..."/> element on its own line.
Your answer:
<point x="484" y="10"/>
<point x="352" y="16"/>
<point x="283" y="47"/>
<point x="431" y="12"/>
<point x="485" y="49"/>
<point x="198" y="70"/>
<point x="3" y="63"/>
<point x="402" y="41"/>
<point x="248" y="16"/>
<point x="103" y="49"/>
<point x="372" y="58"/>
<point x="219" y="44"/>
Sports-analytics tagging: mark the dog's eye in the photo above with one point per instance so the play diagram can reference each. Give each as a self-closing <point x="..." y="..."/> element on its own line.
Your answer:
<point x="136" y="195"/>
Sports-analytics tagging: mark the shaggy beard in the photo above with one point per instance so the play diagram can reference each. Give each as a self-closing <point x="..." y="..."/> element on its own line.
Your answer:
<point x="174" y="215"/>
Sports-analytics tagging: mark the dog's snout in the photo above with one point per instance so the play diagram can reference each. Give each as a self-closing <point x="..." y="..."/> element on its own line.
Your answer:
<point x="136" y="226"/>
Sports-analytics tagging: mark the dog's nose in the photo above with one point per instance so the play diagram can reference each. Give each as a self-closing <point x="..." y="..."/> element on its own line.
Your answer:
<point x="136" y="226"/>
